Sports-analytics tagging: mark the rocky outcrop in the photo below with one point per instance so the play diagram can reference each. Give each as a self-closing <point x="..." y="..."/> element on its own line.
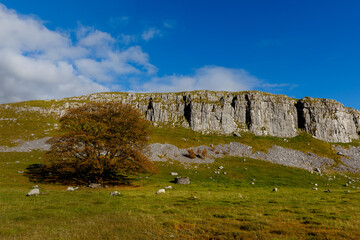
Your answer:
<point x="273" y="115"/>
<point x="262" y="114"/>
<point x="328" y="120"/>
<point x="277" y="154"/>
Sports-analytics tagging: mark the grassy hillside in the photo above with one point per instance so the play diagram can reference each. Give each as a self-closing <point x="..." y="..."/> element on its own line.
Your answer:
<point x="213" y="206"/>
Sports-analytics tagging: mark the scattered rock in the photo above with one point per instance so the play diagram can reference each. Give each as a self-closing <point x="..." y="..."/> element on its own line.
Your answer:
<point x="182" y="180"/>
<point x="94" y="185"/>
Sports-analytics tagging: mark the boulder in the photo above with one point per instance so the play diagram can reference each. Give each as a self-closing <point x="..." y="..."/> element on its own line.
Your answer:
<point x="182" y="180"/>
<point x="95" y="185"/>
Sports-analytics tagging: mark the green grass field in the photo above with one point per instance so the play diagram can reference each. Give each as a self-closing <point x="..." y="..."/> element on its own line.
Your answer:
<point x="227" y="206"/>
<point x="213" y="206"/>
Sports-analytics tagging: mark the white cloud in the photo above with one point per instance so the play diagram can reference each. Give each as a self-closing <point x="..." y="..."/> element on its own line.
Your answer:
<point x="169" y="24"/>
<point x="209" y="77"/>
<point x="150" y="34"/>
<point x="38" y="63"/>
<point x="127" y="39"/>
<point x="24" y="78"/>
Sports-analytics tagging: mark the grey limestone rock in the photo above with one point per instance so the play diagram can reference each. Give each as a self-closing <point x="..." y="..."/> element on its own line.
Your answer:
<point x="182" y="180"/>
<point x="231" y="113"/>
<point x="328" y="120"/>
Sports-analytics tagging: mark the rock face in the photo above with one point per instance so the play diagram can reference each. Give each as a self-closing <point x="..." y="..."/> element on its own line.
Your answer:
<point x="328" y="120"/>
<point x="217" y="112"/>
<point x="260" y="113"/>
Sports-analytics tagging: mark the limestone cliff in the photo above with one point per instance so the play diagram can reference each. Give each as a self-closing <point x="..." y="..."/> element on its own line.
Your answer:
<point x="260" y="113"/>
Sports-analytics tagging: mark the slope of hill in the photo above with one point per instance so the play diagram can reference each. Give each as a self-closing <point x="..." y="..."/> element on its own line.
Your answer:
<point x="231" y="191"/>
<point x="217" y="118"/>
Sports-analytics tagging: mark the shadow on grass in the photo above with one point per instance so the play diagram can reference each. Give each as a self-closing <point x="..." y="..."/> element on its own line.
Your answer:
<point x="38" y="173"/>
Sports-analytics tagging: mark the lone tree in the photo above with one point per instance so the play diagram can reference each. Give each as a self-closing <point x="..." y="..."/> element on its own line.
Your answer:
<point x="102" y="143"/>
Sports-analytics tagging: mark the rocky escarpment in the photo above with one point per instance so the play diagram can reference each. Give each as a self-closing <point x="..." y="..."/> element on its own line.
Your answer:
<point x="262" y="114"/>
<point x="328" y="120"/>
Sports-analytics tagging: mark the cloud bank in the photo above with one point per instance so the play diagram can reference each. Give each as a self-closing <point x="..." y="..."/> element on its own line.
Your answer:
<point x="39" y="63"/>
<point x="206" y="78"/>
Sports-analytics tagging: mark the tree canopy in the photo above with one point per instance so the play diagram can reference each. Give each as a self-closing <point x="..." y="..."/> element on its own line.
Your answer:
<point x="101" y="143"/>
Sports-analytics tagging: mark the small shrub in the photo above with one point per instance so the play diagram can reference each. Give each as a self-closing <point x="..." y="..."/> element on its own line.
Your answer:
<point x="203" y="154"/>
<point x="191" y="153"/>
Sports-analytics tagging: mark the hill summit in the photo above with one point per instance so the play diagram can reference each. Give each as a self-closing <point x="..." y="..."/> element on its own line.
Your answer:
<point x="260" y="113"/>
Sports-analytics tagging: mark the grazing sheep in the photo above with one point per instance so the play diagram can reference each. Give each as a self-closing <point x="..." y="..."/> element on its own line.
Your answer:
<point x="315" y="188"/>
<point x="275" y="190"/>
<point x="70" y="189"/>
<point x="115" y="193"/>
<point x="174" y="173"/>
<point x="168" y="187"/>
<point x="33" y="192"/>
<point x="160" y="191"/>
<point x="221" y="167"/>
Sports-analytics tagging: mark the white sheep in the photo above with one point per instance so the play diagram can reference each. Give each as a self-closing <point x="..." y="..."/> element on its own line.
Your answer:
<point x="160" y="191"/>
<point x="70" y="189"/>
<point x="115" y="193"/>
<point x="275" y="190"/>
<point x="174" y="173"/>
<point x="168" y="187"/>
<point x="33" y="192"/>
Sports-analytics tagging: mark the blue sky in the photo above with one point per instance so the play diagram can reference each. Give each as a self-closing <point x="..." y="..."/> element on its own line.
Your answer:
<point x="66" y="48"/>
